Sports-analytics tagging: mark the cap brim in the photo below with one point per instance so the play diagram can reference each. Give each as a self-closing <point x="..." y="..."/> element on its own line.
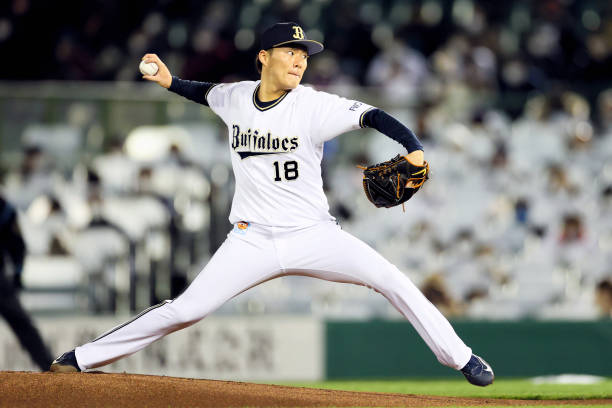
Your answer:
<point x="312" y="46"/>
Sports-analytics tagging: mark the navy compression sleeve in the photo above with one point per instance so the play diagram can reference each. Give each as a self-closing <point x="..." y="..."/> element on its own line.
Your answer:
<point x="192" y="90"/>
<point x="388" y="125"/>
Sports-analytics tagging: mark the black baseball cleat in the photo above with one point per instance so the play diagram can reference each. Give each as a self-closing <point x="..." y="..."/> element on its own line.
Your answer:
<point x="478" y="372"/>
<point x="66" y="363"/>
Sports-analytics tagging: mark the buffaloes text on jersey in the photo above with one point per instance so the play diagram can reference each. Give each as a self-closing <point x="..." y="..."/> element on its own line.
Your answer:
<point x="255" y="142"/>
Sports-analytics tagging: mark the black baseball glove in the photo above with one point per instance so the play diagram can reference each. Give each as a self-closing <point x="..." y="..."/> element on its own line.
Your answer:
<point x="393" y="182"/>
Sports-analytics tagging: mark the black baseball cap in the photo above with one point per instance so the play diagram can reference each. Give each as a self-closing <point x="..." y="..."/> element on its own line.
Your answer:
<point x="286" y="34"/>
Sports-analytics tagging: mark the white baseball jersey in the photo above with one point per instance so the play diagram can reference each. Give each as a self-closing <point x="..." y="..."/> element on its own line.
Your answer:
<point x="277" y="150"/>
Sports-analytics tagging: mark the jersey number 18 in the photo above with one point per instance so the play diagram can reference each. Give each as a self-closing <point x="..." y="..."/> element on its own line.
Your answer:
<point x="291" y="170"/>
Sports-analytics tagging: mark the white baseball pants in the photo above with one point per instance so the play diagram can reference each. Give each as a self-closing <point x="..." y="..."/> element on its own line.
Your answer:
<point x="256" y="254"/>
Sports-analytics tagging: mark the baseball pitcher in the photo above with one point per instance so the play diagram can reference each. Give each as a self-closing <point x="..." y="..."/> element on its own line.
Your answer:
<point x="280" y="215"/>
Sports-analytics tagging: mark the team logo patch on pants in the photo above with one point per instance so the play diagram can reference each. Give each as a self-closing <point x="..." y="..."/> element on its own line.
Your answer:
<point x="241" y="227"/>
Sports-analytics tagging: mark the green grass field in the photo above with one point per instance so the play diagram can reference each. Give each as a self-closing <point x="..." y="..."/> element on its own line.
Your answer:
<point x="502" y="388"/>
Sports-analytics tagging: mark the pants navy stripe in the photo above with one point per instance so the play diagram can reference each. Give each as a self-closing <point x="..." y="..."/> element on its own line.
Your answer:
<point x="133" y="320"/>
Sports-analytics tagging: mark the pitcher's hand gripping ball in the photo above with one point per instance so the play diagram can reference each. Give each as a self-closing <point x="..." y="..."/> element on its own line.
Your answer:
<point x="394" y="181"/>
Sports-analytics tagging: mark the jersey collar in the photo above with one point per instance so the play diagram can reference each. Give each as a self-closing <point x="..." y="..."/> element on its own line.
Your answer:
<point x="264" y="106"/>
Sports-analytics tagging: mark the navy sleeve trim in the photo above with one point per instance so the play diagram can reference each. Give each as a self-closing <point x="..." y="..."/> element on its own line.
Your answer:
<point x="192" y="90"/>
<point x="207" y="92"/>
<point x="361" y="123"/>
<point x="388" y="125"/>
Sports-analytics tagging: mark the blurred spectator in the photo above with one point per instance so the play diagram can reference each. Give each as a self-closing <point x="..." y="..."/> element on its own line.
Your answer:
<point x="95" y="202"/>
<point x="12" y="247"/>
<point x="572" y="230"/>
<point x="604" y="105"/>
<point x="177" y="157"/>
<point x="34" y="178"/>
<point x="399" y="71"/>
<point x="44" y="226"/>
<point x="435" y="290"/>
<point x="603" y="297"/>
<point x="115" y="169"/>
<point x="521" y="211"/>
<point x="575" y="245"/>
<point x="558" y="180"/>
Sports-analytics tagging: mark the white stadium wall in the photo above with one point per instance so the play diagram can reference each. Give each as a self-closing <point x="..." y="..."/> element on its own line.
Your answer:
<point x="237" y="348"/>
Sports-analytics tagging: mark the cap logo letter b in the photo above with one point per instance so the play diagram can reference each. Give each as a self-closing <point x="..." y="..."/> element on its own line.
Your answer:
<point x="299" y="33"/>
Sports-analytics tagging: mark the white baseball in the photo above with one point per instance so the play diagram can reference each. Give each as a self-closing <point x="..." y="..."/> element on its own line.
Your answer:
<point x="148" y="68"/>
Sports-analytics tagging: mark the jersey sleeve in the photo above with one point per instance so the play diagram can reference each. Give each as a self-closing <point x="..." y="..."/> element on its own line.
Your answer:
<point x="219" y="98"/>
<point x="335" y="115"/>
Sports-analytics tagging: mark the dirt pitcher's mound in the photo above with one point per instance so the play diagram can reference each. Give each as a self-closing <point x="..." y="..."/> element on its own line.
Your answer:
<point x="24" y="389"/>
